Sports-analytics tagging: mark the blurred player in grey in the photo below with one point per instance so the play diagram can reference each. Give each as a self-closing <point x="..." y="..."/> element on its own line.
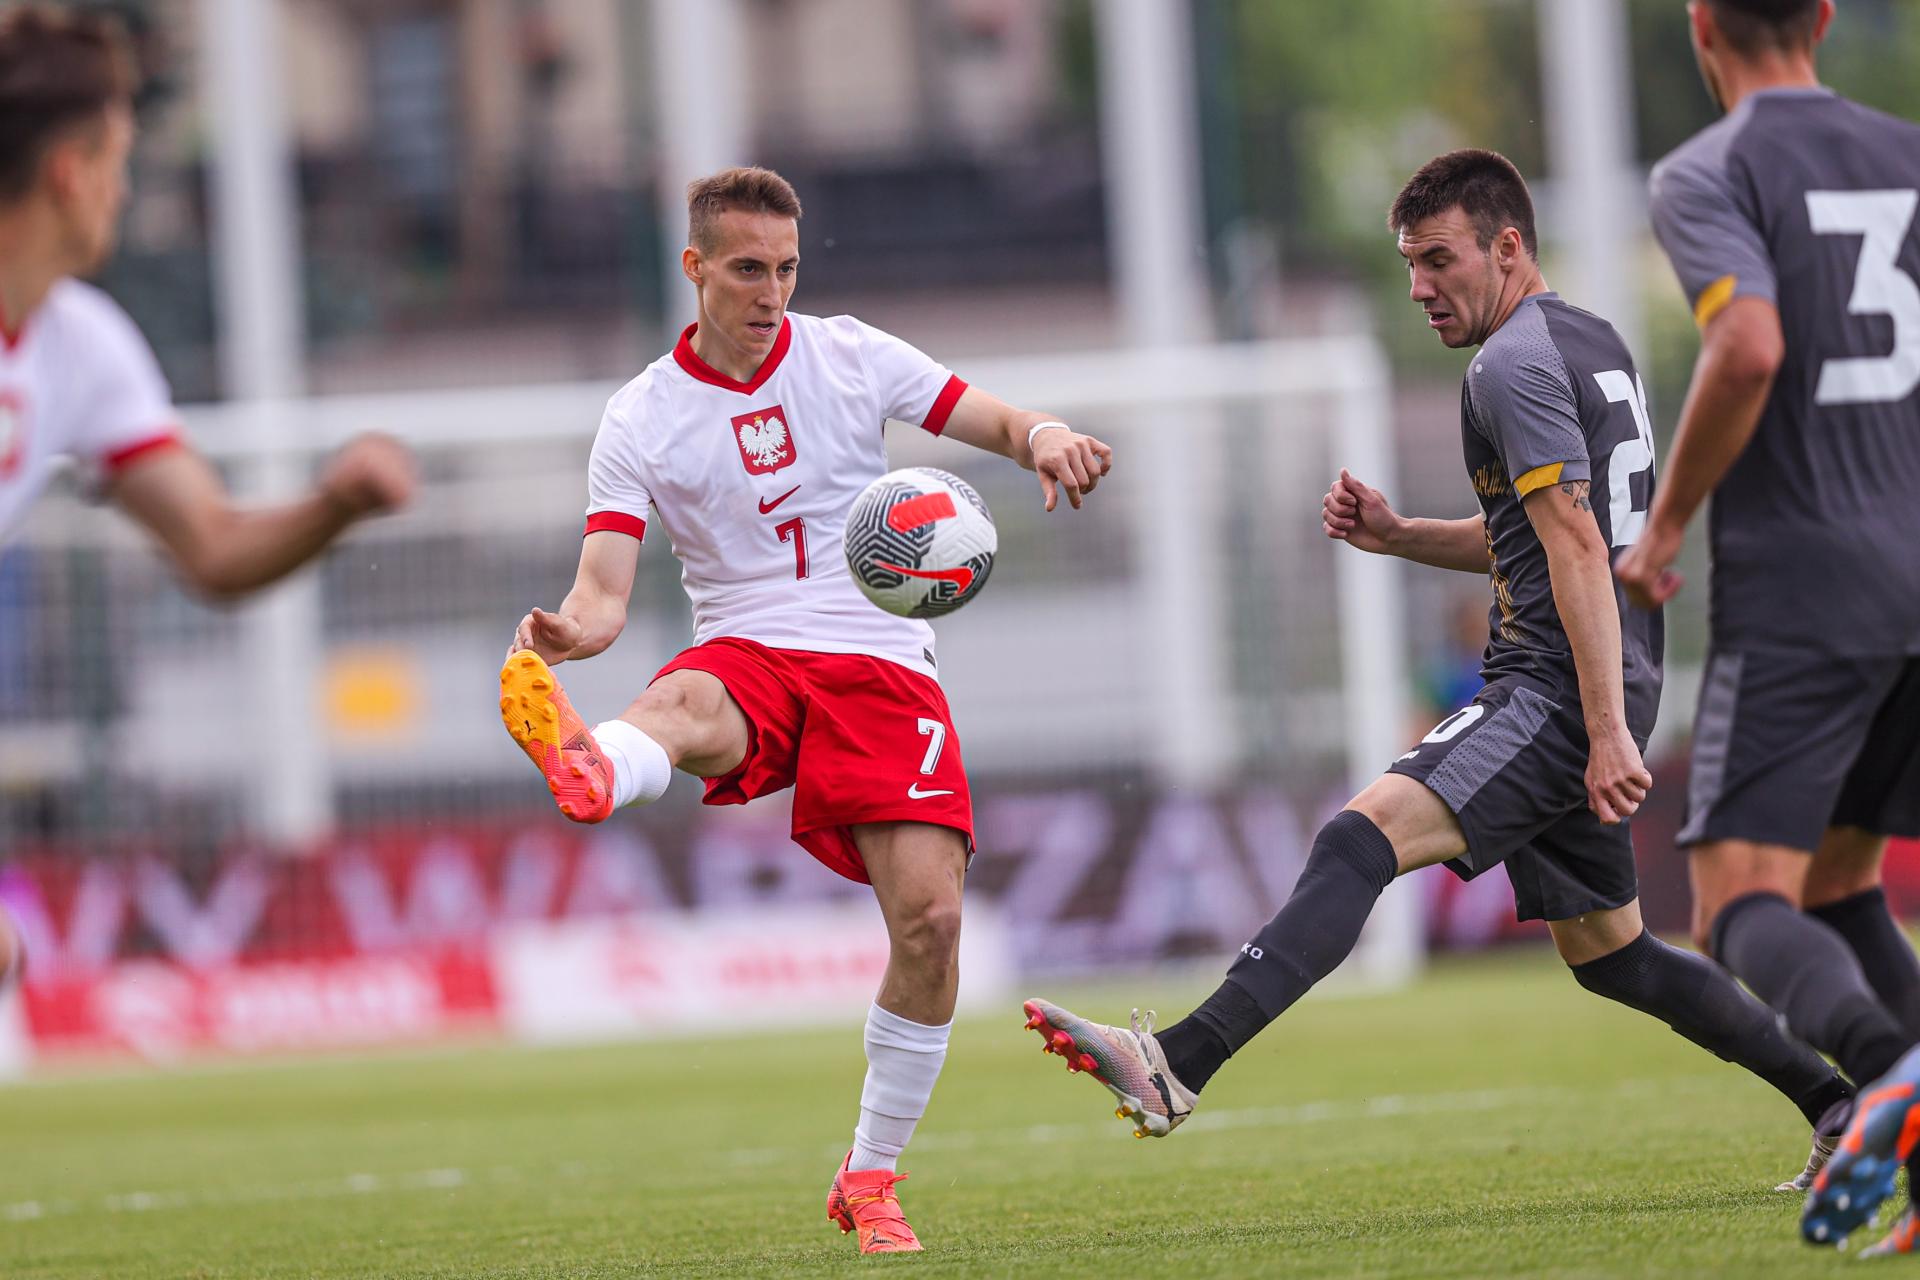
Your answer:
<point x="1791" y="226"/>
<point x="1542" y="770"/>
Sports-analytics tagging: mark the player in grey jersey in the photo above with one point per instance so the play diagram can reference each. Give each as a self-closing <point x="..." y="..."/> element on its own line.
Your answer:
<point x="1791" y="224"/>
<point x="1542" y="770"/>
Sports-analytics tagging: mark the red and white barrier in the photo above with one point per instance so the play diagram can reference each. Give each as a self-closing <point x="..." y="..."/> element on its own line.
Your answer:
<point x="624" y="977"/>
<point x="162" y="1011"/>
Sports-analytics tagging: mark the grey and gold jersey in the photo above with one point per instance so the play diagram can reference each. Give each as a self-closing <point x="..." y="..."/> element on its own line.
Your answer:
<point x="1551" y="398"/>
<point x="1807" y="200"/>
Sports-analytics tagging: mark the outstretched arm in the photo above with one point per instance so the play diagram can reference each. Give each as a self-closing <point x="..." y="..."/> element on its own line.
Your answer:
<point x="595" y="612"/>
<point x="1061" y="456"/>
<point x="1740" y="351"/>
<point x="1562" y="515"/>
<point x="1360" y="516"/>
<point x="224" y="551"/>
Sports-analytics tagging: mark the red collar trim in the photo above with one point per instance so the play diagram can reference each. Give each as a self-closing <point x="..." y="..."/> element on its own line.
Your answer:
<point x="11" y="336"/>
<point x="698" y="368"/>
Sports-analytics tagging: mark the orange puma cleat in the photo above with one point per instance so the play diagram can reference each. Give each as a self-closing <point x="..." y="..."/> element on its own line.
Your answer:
<point x="536" y="712"/>
<point x="865" y="1202"/>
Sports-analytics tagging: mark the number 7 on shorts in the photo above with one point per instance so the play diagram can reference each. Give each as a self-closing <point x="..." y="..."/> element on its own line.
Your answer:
<point x="930" y="728"/>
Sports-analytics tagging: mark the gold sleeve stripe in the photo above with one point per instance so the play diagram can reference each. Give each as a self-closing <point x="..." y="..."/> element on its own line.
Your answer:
<point x="1538" y="478"/>
<point x="1712" y="298"/>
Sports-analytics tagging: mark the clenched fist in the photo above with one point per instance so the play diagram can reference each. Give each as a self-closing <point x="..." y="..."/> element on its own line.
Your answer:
<point x="370" y="475"/>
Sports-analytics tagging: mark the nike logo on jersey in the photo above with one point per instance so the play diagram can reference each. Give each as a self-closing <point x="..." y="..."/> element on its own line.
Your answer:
<point x="766" y="506"/>
<point x="915" y="793"/>
<point x="961" y="578"/>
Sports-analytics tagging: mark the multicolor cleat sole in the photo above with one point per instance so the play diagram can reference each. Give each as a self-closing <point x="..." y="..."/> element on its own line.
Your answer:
<point x="1086" y="1051"/>
<point x="1884" y="1132"/>
<point x="536" y="713"/>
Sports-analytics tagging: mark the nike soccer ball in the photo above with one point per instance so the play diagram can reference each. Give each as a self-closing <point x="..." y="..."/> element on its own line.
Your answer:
<point x="920" y="542"/>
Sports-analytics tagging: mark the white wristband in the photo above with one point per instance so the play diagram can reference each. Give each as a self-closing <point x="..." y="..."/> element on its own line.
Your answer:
<point x="1038" y="427"/>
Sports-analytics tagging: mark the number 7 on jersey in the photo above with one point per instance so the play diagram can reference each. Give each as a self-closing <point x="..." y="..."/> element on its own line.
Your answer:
<point x="795" y="531"/>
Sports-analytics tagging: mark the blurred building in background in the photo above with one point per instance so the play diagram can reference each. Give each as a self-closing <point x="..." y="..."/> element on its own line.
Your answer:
<point x="1160" y="695"/>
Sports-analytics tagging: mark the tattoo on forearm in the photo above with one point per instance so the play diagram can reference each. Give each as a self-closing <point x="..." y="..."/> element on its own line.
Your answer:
<point x="1578" y="490"/>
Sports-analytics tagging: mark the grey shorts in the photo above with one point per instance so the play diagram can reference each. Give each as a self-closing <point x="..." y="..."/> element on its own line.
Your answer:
<point x="1787" y="744"/>
<point x="1512" y="765"/>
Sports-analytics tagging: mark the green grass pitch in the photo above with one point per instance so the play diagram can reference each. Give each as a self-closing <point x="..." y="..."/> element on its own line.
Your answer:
<point x="1494" y="1120"/>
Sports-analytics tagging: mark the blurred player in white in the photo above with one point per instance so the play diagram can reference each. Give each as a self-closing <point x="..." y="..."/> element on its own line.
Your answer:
<point x="78" y="383"/>
<point x="748" y="444"/>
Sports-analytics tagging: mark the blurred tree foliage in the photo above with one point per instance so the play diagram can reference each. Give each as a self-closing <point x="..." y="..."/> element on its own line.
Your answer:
<point x="1332" y="105"/>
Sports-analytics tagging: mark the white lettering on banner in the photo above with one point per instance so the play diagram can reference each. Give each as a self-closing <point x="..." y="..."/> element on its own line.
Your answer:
<point x="1055" y="841"/>
<point x="1275" y="842"/>
<point x="211" y="932"/>
<point x="1051" y="857"/>
<point x="442" y="899"/>
<point x="530" y="880"/>
<point x="1185" y="881"/>
<point x="292" y="1006"/>
<point x="617" y="873"/>
<point x="145" y="1006"/>
<point x="91" y="938"/>
<point x="163" y="1011"/>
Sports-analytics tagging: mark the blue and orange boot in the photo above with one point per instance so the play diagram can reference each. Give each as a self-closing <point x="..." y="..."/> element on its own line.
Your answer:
<point x="1883" y="1133"/>
<point x="536" y="712"/>
<point x="864" y="1201"/>
<point x="1904" y="1237"/>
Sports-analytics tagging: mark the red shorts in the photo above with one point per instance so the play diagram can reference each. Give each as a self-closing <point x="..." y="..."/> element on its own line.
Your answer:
<point x="858" y="738"/>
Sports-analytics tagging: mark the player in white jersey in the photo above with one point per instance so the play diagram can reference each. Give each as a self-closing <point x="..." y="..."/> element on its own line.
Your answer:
<point x="747" y="445"/>
<point x="78" y="384"/>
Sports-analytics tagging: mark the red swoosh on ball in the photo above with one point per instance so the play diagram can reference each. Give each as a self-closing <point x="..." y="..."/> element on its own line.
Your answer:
<point x="962" y="578"/>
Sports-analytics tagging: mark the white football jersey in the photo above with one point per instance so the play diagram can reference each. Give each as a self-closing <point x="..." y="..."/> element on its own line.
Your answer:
<point x="77" y="383"/>
<point x="752" y="481"/>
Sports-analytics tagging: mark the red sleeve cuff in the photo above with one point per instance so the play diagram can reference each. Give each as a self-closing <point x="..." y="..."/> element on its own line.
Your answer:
<point x="617" y="522"/>
<point x="126" y="455"/>
<point x="943" y="405"/>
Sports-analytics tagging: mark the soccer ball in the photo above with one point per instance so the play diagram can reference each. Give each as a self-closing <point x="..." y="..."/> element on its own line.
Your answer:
<point x="920" y="542"/>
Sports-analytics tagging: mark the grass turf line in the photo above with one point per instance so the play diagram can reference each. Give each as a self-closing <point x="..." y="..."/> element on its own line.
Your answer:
<point x="1494" y="1120"/>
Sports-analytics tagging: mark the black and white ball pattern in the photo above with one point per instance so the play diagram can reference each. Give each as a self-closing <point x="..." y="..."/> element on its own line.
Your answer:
<point x="920" y="542"/>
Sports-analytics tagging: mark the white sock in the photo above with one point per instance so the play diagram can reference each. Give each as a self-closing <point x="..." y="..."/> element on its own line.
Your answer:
<point x="903" y="1061"/>
<point x="641" y="770"/>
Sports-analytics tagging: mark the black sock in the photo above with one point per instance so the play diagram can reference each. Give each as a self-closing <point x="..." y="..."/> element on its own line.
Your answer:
<point x="1351" y="864"/>
<point x="1803" y="968"/>
<point x="1885" y="955"/>
<point x="1194" y="1049"/>
<point x="1701" y="1001"/>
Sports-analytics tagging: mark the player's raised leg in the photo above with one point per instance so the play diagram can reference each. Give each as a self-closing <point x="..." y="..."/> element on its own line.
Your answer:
<point x="1611" y="954"/>
<point x="685" y="720"/>
<point x="917" y="870"/>
<point x="1395" y="825"/>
